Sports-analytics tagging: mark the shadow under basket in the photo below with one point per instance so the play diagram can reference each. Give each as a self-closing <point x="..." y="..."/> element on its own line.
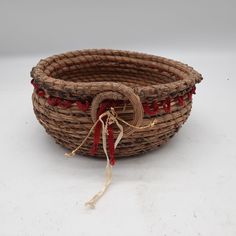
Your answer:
<point x="149" y="96"/>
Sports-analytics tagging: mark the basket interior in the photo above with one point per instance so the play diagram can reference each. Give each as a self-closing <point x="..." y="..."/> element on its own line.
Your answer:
<point x="129" y="71"/>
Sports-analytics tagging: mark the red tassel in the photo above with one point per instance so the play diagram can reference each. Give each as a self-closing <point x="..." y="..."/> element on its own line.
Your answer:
<point x="166" y="105"/>
<point x="83" y="107"/>
<point x="96" y="138"/>
<point x="97" y="130"/>
<point x="111" y="145"/>
<point x="147" y="109"/>
<point x="193" y="90"/>
<point x="180" y="100"/>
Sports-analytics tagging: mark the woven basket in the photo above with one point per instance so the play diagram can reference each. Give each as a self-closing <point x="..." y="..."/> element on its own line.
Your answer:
<point x="72" y="89"/>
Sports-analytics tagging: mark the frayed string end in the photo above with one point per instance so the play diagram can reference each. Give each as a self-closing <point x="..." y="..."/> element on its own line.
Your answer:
<point x="108" y="177"/>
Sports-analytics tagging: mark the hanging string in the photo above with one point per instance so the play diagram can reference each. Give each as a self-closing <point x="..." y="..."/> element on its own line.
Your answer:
<point x="111" y="118"/>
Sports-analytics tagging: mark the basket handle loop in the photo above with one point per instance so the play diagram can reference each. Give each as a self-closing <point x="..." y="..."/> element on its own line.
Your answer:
<point x="118" y="91"/>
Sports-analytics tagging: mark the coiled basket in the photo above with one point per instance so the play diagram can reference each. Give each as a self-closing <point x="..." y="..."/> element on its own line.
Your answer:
<point x="72" y="89"/>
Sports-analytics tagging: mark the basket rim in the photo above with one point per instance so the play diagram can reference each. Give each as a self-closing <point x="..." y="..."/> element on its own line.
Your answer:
<point x="189" y="75"/>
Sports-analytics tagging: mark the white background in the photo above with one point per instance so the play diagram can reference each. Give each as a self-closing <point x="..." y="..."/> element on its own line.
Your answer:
<point x="187" y="187"/>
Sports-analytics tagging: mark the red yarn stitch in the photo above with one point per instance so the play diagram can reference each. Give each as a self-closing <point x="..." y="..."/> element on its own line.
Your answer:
<point x="83" y="107"/>
<point x="36" y="86"/>
<point x="166" y="105"/>
<point x="53" y="101"/>
<point x="40" y="93"/>
<point x="147" y="109"/>
<point x="111" y="145"/>
<point x="65" y="104"/>
<point x="180" y="100"/>
<point x="190" y="95"/>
